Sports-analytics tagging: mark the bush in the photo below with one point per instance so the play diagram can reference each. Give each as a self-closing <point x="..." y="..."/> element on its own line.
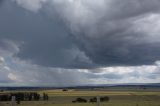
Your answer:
<point x="64" y="90"/>
<point x="80" y="100"/>
<point x="102" y="99"/>
<point x="93" y="100"/>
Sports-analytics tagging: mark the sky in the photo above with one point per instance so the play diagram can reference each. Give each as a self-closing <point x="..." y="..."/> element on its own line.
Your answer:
<point x="79" y="42"/>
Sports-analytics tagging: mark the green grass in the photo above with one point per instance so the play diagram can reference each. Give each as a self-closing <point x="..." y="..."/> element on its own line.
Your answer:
<point x="117" y="98"/>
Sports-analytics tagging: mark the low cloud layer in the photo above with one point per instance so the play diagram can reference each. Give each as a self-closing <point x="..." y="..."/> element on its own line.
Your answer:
<point x="79" y="41"/>
<point x="16" y="72"/>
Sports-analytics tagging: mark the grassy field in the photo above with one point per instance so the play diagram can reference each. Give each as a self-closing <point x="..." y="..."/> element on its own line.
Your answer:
<point x="117" y="98"/>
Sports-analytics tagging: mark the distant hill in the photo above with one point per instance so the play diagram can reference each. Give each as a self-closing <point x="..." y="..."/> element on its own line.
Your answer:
<point x="129" y="85"/>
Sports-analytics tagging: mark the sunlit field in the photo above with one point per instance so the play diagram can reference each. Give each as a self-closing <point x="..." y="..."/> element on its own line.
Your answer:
<point x="117" y="98"/>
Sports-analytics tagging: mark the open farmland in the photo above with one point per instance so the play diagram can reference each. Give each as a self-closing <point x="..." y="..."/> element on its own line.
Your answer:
<point x="117" y="98"/>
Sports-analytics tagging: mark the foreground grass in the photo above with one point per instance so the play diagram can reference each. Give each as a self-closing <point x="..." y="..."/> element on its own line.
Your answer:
<point x="117" y="98"/>
<point x="121" y="103"/>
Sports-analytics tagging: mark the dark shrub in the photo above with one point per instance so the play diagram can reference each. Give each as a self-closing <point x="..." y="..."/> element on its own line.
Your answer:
<point x="80" y="100"/>
<point x="104" y="99"/>
<point x="74" y="101"/>
<point x="93" y="100"/>
<point x="64" y="90"/>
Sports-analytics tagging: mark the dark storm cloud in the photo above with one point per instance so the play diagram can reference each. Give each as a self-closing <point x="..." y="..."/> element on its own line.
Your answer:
<point x="1" y="1"/>
<point x="110" y="36"/>
<point x="44" y="41"/>
<point x="83" y="34"/>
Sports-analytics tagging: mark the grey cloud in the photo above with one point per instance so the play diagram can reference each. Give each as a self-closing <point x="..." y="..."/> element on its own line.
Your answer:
<point x="65" y="42"/>
<point x="43" y="41"/>
<point x="114" y="38"/>
<point x="15" y="71"/>
<point x="83" y="34"/>
<point x="1" y="1"/>
<point x="108" y="75"/>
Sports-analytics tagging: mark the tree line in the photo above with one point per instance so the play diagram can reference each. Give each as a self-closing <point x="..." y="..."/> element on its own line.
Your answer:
<point x="23" y="96"/>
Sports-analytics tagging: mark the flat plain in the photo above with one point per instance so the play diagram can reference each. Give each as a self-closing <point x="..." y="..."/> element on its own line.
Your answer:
<point x="58" y="97"/>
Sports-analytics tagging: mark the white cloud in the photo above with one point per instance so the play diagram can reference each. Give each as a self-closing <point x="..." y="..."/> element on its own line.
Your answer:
<point x="12" y="76"/>
<point x="150" y="25"/>
<point x="1" y="60"/>
<point x="8" y="48"/>
<point x="32" y="5"/>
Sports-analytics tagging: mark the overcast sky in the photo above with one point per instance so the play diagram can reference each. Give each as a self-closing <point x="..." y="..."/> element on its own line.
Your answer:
<point x="79" y="42"/>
